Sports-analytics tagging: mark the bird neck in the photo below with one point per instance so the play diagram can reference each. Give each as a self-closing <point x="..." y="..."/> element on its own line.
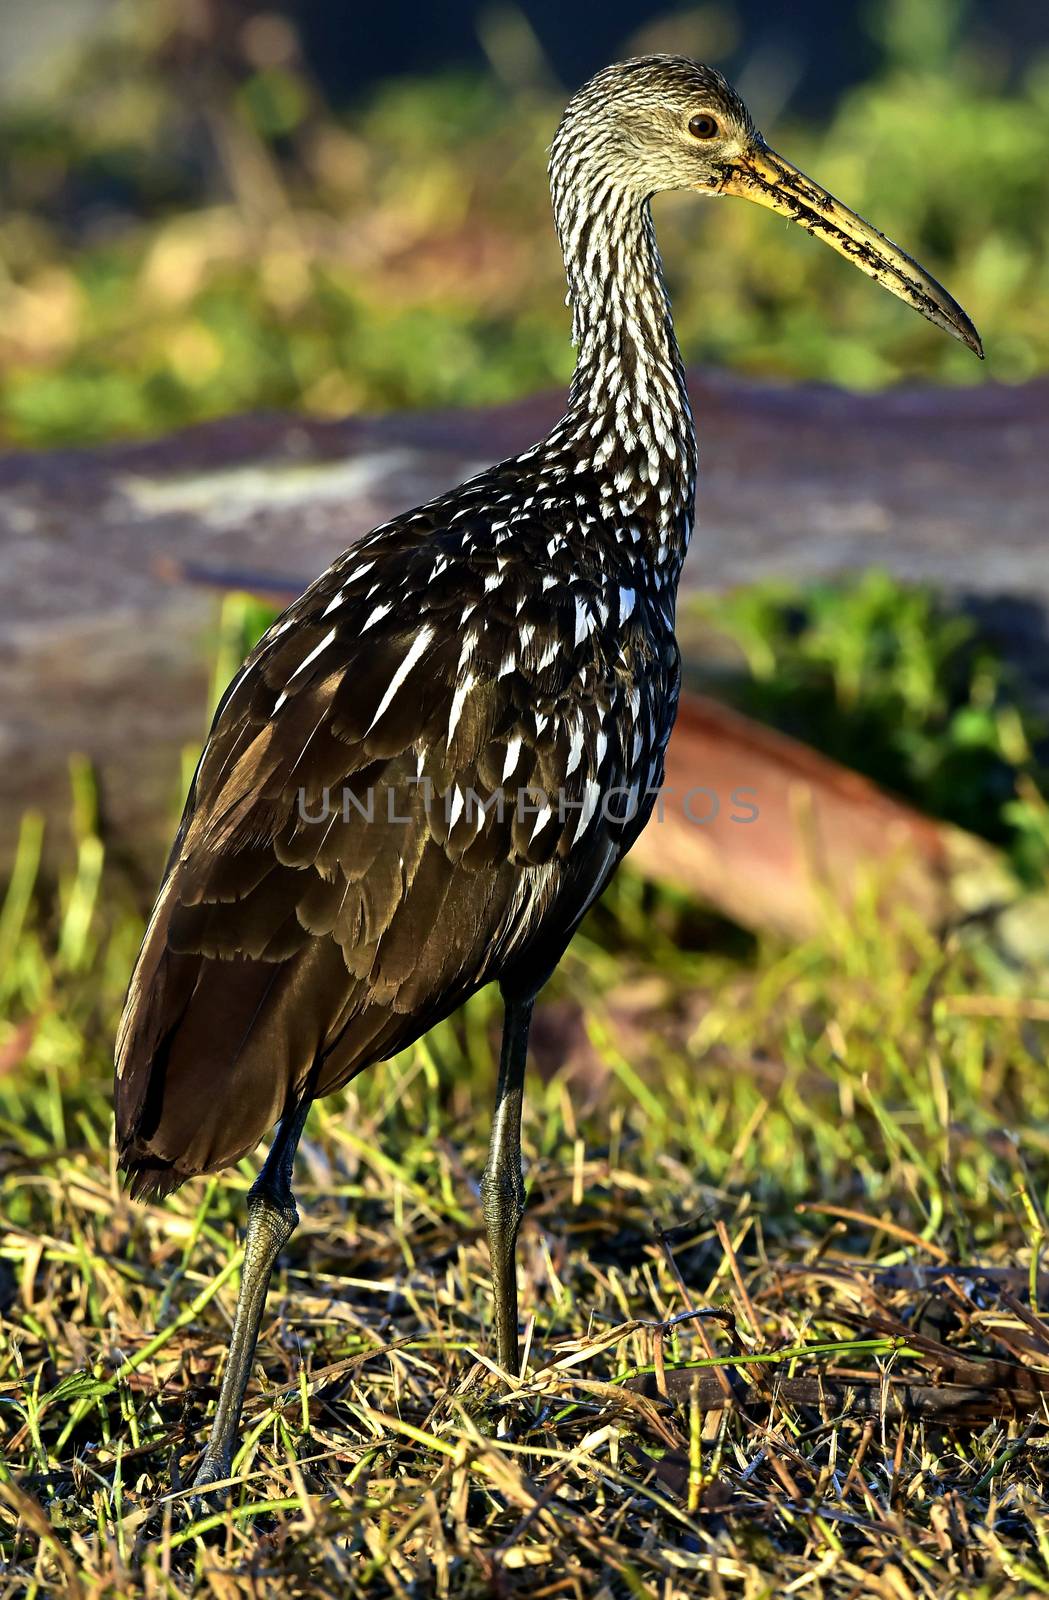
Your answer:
<point x="628" y="413"/>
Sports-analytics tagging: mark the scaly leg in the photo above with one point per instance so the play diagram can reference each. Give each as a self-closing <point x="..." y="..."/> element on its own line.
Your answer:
<point x="272" y="1219"/>
<point x="502" y="1187"/>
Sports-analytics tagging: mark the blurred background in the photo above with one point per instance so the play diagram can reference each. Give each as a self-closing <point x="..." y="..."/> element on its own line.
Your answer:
<point x="213" y="205"/>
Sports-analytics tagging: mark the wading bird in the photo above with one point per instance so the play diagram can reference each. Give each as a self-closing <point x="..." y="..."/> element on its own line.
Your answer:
<point x="433" y="762"/>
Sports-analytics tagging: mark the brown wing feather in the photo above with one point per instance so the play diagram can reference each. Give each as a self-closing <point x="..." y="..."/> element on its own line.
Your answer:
<point x="287" y="950"/>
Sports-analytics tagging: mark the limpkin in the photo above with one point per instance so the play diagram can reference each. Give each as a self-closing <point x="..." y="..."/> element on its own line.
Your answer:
<point x="431" y="765"/>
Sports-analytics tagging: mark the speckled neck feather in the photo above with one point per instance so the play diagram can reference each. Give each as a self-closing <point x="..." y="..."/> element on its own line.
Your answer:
<point x="628" y="413"/>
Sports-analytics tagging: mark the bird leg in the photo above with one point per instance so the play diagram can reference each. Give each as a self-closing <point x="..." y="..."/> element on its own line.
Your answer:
<point x="502" y="1187"/>
<point x="272" y="1218"/>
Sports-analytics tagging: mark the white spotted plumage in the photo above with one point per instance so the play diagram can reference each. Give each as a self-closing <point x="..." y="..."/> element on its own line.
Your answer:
<point x="416" y="650"/>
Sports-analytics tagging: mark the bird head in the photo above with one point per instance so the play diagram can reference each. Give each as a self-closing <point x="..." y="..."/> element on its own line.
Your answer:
<point x="663" y="122"/>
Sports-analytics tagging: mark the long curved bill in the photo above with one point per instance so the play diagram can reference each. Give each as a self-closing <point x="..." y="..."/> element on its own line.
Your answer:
<point x="765" y="177"/>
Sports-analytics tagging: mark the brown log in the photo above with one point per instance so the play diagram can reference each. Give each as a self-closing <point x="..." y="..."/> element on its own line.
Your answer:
<point x="780" y="837"/>
<point x="104" y="656"/>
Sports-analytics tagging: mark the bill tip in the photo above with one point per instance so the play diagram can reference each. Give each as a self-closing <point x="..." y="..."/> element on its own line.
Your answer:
<point x="972" y="339"/>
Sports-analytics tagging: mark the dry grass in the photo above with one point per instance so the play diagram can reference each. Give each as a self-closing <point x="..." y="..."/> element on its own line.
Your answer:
<point x="808" y="1143"/>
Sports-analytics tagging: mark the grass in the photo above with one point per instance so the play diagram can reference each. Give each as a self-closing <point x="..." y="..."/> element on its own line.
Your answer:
<point x="840" y="1151"/>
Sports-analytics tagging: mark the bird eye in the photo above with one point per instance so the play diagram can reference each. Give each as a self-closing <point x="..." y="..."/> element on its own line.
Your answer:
<point x="703" y="126"/>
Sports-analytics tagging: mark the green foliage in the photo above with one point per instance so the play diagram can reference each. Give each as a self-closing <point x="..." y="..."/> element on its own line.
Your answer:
<point x="262" y="249"/>
<point x="888" y="680"/>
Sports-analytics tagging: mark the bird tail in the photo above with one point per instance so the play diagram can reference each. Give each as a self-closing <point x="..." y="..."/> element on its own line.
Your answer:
<point x="210" y="1054"/>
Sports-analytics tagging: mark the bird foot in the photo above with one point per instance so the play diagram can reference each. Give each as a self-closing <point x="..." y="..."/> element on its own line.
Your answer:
<point x="215" y="1467"/>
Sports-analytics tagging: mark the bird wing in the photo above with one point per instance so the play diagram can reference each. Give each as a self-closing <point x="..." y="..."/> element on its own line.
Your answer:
<point x="392" y="809"/>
